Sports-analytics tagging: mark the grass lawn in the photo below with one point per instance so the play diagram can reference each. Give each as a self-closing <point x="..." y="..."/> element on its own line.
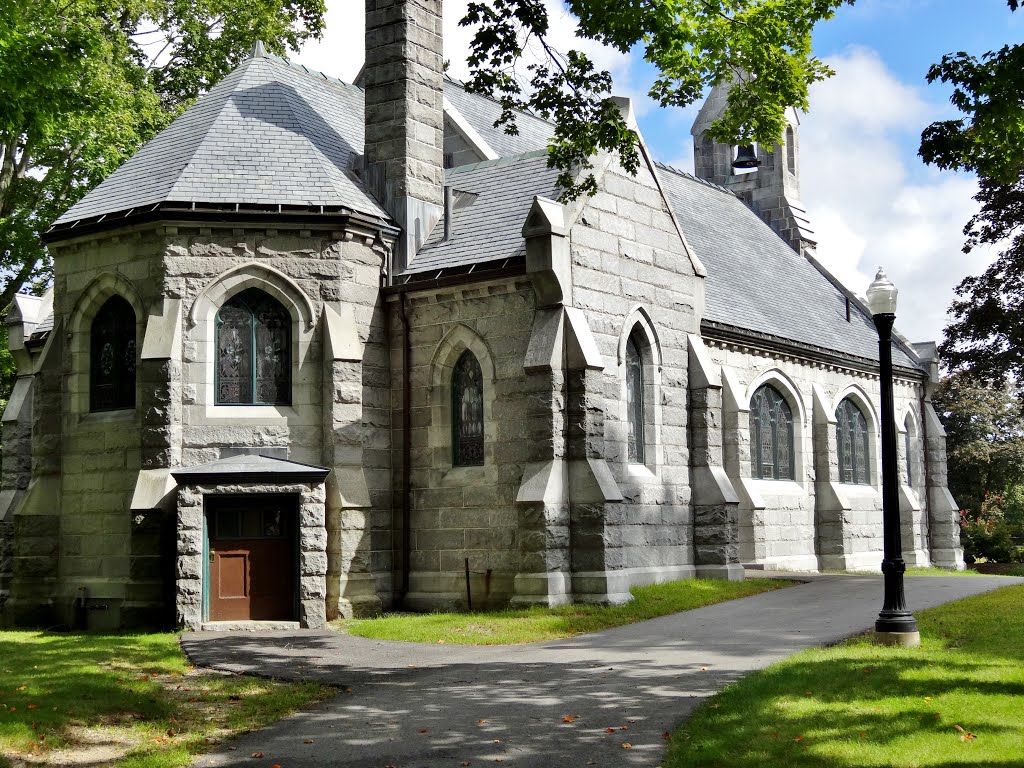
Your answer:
<point x="124" y="700"/>
<point x="955" y="701"/>
<point x="532" y="624"/>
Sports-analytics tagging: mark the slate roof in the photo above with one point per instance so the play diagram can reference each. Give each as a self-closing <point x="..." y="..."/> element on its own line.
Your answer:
<point x="488" y="228"/>
<point x="481" y="113"/>
<point x="756" y="282"/>
<point x="270" y="133"/>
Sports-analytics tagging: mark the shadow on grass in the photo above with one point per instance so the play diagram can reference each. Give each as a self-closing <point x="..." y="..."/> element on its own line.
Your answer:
<point x="953" y="702"/>
<point x="49" y="682"/>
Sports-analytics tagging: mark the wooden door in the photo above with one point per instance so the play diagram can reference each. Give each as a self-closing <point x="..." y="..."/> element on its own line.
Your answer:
<point x="251" y="557"/>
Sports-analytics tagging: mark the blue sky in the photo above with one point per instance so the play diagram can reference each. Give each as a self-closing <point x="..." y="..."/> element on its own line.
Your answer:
<point x="871" y="200"/>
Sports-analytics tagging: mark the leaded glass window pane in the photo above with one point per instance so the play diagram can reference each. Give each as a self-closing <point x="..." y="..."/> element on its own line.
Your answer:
<point x="467" y="412"/>
<point x="771" y="435"/>
<point x="907" y="452"/>
<point x="634" y="403"/>
<point x="112" y="357"/>
<point x="253" y="351"/>
<point x="852" y="443"/>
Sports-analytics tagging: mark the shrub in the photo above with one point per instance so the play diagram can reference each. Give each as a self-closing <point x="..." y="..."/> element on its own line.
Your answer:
<point x="997" y="533"/>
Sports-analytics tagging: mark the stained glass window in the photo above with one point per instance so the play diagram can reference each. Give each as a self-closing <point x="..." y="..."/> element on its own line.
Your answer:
<point x="634" y="403"/>
<point x="467" y="412"/>
<point x="112" y="357"/>
<point x="771" y="435"/>
<point x="908" y="451"/>
<point x="852" y="443"/>
<point x="253" y="351"/>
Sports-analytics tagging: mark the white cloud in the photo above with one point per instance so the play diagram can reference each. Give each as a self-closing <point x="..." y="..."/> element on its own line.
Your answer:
<point x="872" y="203"/>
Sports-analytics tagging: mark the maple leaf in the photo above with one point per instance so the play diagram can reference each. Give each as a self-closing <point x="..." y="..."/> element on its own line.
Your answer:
<point x="481" y="722"/>
<point x="423" y="730"/>
<point x="626" y="745"/>
<point x="609" y="730"/>
<point x="567" y="718"/>
<point x="256" y="755"/>
<point x="666" y="736"/>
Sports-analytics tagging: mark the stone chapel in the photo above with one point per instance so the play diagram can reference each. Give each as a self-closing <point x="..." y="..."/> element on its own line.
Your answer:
<point x="318" y="349"/>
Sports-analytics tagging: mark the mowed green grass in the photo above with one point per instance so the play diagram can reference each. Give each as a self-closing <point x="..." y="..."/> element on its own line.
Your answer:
<point x="532" y="624"/>
<point x="125" y="700"/>
<point x="958" y="700"/>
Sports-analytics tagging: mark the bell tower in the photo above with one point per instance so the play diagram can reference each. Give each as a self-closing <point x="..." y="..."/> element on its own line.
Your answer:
<point x="772" y="188"/>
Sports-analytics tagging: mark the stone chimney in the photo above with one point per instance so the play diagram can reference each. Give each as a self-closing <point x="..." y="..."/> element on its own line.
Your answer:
<point x="772" y="191"/>
<point x="402" y="80"/>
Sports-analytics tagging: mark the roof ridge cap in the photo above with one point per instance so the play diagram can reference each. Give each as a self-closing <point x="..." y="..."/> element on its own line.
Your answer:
<point x="503" y="160"/>
<point x="690" y="176"/>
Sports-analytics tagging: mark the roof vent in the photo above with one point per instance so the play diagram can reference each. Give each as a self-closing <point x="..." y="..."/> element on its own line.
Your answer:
<point x="259" y="51"/>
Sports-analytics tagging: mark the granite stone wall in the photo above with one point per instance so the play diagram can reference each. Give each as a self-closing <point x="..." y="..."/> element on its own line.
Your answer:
<point x="631" y="273"/>
<point x="815" y="520"/>
<point x="312" y="549"/>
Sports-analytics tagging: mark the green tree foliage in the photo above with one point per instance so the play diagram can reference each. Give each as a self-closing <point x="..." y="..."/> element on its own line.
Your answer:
<point x="986" y="335"/>
<point x="762" y="46"/>
<point x="985" y="460"/>
<point x="84" y="83"/>
<point x="984" y="435"/>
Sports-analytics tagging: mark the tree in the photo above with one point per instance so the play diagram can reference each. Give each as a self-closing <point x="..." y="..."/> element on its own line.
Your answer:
<point x="84" y="83"/>
<point x="984" y="437"/>
<point x="986" y="336"/>
<point x="762" y="46"/>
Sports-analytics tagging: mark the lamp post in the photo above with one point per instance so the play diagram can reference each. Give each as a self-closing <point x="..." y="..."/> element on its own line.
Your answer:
<point x="895" y="624"/>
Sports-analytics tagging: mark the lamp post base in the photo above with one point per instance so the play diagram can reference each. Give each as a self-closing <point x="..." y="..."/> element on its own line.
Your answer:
<point x="902" y="639"/>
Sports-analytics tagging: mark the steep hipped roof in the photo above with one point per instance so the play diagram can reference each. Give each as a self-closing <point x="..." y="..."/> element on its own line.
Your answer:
<point x="270" y="133"/>
<point x="756" y="282"/>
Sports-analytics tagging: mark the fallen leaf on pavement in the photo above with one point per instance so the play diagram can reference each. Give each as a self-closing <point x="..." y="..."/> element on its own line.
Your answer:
<point x="307" y="741"/>
<point x="257" y="755"/>
<point x="666" y="736"/>
<point x="626" y="745"/>
<point x="481" y="722"/>
<point x="423" y="730"/>
<point x="567" y="718"/>
<point x="609" y="730"/>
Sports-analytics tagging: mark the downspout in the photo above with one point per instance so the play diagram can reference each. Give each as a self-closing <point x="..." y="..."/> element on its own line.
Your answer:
<point x="406" y="452"/>
<point x="927" y="501"/>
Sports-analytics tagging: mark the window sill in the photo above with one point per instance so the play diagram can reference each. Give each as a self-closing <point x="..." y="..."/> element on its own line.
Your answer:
<point x="121" y="415"/>
<point x="249" y="413"/>
<point x="639" y="472"/>
<point x="778" y="487"/>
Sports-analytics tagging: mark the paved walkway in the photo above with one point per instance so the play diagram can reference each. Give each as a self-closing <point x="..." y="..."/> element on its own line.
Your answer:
<point x="411" y="705"/>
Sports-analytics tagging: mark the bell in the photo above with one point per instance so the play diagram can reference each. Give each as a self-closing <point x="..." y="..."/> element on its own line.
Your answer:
<point x="746" y="157"/>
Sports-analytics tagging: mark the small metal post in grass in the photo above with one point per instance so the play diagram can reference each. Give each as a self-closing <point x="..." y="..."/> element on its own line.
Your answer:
<point x="895" y="624"/>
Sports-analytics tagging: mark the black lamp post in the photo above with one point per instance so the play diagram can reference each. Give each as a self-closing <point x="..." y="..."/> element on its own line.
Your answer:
<point x="895" y="624"/>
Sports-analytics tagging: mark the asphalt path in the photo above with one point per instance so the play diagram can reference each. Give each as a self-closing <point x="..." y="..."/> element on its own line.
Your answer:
<point x="565" y="703"/>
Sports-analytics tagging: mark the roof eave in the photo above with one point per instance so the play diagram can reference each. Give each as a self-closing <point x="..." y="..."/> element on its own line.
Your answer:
<point x="226" y="213"/>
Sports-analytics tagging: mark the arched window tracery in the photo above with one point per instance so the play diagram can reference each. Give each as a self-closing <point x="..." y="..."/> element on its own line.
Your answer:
<point x="467" y="412"/>
<point x="112" y="356"/>
<point x="771" y="435"/>
<point x="635" y="449"/>
<point x="852" y="443"/>
<point x="253" y="351"/>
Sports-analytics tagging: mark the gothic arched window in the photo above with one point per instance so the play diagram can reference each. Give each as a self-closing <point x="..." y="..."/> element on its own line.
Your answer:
<point x="254" y="360"/>
<point x="112" y="357"/>
<point x="771" y="435"/>
<point x="634" y="402"/>
<point x="908" y="442"/>
<point x="467" y="412"/>
<point x="790" y="149"/>
<point x="852" y="442"/>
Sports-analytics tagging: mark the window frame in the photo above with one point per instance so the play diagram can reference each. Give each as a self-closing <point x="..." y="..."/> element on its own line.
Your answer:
<point x="457" y="441"/>
<point x="123" y="322"/>
<point x="244" y="298"/>
<point x="636" y="431"/>
<point x="773" y="399"/>
<point x="849" y="415"/>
